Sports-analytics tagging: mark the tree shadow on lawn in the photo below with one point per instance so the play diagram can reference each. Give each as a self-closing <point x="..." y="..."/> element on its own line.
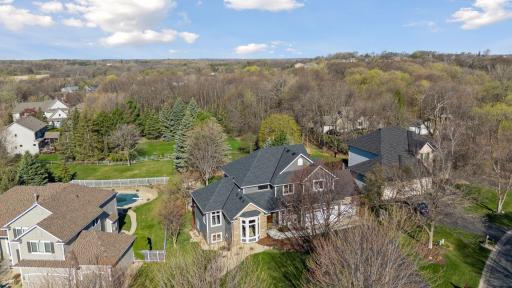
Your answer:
<point x="284" y="269"/>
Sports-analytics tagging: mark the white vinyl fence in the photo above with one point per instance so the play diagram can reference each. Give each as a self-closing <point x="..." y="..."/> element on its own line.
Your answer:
<point x="122" y="182"/>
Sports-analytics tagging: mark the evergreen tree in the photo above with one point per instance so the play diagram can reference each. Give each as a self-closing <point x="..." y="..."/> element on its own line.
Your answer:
<point x="193" y="108"/>
<point x="133" y="115"/>
<point x="152" y="128"/>
<point x="31" y="171"/>
<point x="180" y="152"/>
<point x="87" y="143"/>
<point x="171" y="119"/>
<point x="65" y="145"/>
<point x="64" y="174"/>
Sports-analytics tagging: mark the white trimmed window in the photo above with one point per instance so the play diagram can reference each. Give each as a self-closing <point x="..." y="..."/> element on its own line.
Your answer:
<point x="288" y="189"/>
<point x="216" y="237"/>
<point x="216" y="218"/>
<point x="318" y="185"/>
<point x="45" y="247"/>
<point x="300" y="162"/>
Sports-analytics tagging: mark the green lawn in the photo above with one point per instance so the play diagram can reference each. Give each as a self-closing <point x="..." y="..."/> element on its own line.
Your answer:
<point x="283" y="269"/>
<point x="464" y="259"/>
<point x="154" y="148"/>
<point x="149" y="227"/>
<point x="326" y="156"/>
<point x="137" y="170"/>
<point x="234" y="145"/>
<point x="484" y="205"/>
<point x="125" y="222"/>
<point x="49" y="157"/>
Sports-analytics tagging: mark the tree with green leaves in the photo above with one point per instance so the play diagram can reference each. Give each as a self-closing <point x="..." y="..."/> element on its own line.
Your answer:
<point x="279" y="140"/>
<point x="133" y="115"/>
<point x="180" y="153"/>
<point x="152" y="128"/>
<point x="279" y="125"/>
<point x="32" y="171"/>
<point x="65" y="145"/>
<point x="170" y="119"/>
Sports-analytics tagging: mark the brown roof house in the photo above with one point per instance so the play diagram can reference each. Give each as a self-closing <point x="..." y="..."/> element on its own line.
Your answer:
<point x="55" y="111"/>
<point x="61" y="232"/>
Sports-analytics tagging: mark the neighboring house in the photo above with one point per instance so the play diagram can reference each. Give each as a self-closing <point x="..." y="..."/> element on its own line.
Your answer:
<point x="26" y="135"/>
<point x="390" y="148"/>
<point x="344" y="121"/>
<point x="54" y="110"/>
<point x="420" y="128"/>
<point x="240" y="207"/>
<point x="61" y="231"/>
<point x="69" y="89"/>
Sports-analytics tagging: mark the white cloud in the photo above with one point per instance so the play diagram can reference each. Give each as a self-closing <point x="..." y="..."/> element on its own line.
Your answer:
<point x="6" y="1"/>
<point x="189" y="37"/>
<point x="50" y="7"/>
<point x="250" y="48"/>
<point x="483" y="12"/>
<point x="16" y="19"/>
<point x="73" y="22"/>
<point x="430" y="25"/>
<point x="266" y="5"/>
<point x="140" y="37"/>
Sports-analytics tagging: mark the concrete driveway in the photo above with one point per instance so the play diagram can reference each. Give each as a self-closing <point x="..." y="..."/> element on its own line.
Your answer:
<point x="498" y="269"/>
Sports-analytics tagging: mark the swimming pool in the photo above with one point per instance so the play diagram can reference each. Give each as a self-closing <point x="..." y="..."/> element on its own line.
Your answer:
<point x="125" y="199"/>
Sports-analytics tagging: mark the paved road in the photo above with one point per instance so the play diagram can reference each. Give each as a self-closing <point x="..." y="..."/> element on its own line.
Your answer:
<point x="498" y="269"/>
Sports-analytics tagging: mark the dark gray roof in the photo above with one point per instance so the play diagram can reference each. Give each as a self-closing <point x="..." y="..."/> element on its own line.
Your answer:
<point x="391" y="145"/>
<point x="249" y="214"/>
<point x="262" y="166"/>
<point x="31" y="123"/>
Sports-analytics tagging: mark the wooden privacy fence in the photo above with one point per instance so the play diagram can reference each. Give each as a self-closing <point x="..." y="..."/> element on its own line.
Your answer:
<point x="122" y="182"/>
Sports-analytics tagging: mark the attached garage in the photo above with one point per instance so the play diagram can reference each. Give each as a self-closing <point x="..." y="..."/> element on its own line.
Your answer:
<point x="337" y="213"/>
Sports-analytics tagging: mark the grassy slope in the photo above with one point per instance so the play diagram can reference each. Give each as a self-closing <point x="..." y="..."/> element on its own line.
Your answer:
<point x="283" y="269"/>
<point x="155" y="147"/>
<point x="485" y="205"/>
<point x="234" y="145"/>
<point x="464" y="259"/>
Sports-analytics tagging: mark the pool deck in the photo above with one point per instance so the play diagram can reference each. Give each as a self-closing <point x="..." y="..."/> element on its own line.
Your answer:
<point x="146" y="194"/>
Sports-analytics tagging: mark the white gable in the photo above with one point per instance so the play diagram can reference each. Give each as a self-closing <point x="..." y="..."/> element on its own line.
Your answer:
<point x="58" y="105"/>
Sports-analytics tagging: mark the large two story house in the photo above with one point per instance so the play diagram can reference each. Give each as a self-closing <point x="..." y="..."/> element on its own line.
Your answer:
<point x="59" y="232"/>
<point x="245" y="203"/>
<point x="389" y="148"/>
<point x="54" y="110"/>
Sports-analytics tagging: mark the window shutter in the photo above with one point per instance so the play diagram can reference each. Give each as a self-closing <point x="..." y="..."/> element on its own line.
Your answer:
<point x="52" y="247"/>
<point x="29" y="247"/>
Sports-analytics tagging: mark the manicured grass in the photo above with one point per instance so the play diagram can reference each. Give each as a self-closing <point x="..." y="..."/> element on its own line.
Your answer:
<point x="149" y="226"/>
<point x="464" y="259"/>
<point x="137" y="170"/>
<point x="234" y="145"/>
<point x="55" y="157"/>
<point x="484" y="202"/>
<point x="283" y="269"/>
<point x="326" y="156"/>
<point x="154" y="148"/>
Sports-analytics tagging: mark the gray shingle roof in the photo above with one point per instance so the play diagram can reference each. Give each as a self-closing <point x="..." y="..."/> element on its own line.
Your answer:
<point x="31" y="123"/>
<point x="391" y="145"/>
<point x="248" y="214"/>
<point x="261" y="166"/>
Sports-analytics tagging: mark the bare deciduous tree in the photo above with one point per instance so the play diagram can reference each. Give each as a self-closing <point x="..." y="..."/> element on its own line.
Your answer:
<point x="171" y="213"/>
<point x="125" y="138"/>
<point x="367" y="255"/>
<point x="206" y="149"/>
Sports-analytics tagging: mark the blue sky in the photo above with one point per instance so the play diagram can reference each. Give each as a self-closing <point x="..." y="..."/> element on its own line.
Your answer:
<point x="98" y="29"/>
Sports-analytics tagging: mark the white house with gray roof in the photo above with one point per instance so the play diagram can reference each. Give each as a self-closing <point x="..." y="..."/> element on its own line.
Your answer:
<point x="54" y="110"/>
<point x="25" y="135"/>
<point x="240" y="207"/>
<point x="61" y="231"/>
